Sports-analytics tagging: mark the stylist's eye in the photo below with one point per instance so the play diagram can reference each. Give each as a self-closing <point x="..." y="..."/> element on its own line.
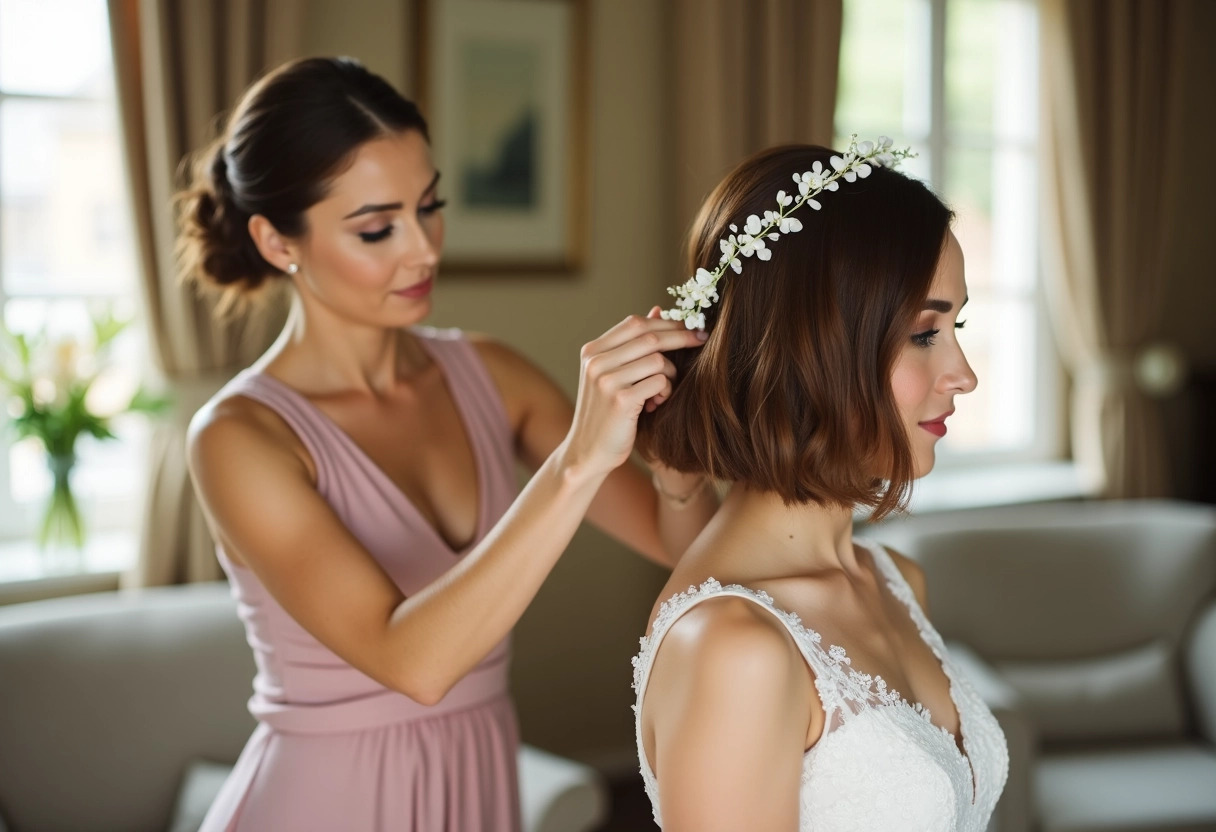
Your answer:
<point x="432" y="207"/>
<point x="925" y="339"/>
<point x="960" y="324"/>
<point x="375" y="236"/>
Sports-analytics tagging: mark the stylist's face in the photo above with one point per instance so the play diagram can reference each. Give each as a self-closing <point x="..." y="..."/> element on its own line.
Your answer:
<point x="371" y="251"/>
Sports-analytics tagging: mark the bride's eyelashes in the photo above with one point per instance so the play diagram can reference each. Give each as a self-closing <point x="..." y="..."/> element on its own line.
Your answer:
<point x="925" y="339"/>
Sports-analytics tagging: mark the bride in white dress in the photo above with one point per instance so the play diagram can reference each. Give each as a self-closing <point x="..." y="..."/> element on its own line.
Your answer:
<point x="790" y="678"/>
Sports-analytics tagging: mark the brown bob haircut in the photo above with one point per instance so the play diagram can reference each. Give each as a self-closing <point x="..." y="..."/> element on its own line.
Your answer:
<point x="792" y="391"/>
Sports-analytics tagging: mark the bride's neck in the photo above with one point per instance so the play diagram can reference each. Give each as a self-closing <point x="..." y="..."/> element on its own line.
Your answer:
<point x="807" y="536"/>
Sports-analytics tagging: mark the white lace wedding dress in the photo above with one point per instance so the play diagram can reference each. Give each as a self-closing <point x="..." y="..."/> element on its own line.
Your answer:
<point x="881" y="763"/>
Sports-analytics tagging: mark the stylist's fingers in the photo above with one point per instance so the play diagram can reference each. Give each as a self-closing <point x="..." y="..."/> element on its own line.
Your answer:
<point x="648" y="343"/>
<point x="628" y="375"/>
<point x="628" y="329"/>
<point x="650" y="388"/>
<point x="652" y="404"/>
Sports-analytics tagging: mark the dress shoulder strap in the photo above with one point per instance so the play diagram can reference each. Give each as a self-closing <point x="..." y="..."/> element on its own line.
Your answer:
<point x="474" y="389"/>
<point x="675" y="607"/>
<point x="902" y="590"/>
<point x="319" y="435"/>
<point x="829" y="678"/>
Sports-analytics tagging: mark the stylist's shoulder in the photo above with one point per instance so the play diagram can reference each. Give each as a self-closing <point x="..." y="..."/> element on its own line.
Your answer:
<point x="230" y="437"/>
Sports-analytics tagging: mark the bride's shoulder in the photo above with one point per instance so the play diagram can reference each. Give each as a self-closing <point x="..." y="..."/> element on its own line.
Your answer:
<point x="721" y="635"/>
<point x="729" y="662"/>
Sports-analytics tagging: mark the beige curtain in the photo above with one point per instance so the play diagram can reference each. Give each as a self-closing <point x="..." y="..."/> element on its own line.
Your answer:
<point x="179" y="65"/>
<point x="1112" y="106"/>
<point x="746" y="75"/>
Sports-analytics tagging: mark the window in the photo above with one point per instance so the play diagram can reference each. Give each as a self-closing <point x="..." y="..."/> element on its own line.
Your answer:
<point x="66" y="242"/>
<point x="958" y="80"/>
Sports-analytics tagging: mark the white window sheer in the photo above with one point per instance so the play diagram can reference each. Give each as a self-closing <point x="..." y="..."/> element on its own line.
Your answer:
<point x="65" y="242"/>
<point x="958" y="80"/>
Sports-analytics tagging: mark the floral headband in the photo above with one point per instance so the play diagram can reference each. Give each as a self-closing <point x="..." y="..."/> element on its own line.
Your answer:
<point x="700" y="291"/>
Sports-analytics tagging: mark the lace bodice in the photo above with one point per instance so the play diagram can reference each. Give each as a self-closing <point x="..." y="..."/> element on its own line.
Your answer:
<point x="881" y="763"/>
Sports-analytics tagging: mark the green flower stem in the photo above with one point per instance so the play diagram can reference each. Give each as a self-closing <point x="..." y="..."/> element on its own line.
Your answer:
<point x="62" y="522"/>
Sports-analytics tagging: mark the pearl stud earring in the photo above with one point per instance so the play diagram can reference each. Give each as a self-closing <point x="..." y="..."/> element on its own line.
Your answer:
<point x="292" y="268"/>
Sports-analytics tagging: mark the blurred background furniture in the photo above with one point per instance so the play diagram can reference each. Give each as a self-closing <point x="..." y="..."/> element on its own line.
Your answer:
<point x="124" y="711"/>
<point x="1092" y="627"/>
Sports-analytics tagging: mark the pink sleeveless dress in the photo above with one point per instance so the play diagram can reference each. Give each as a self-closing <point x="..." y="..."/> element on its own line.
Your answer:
<point x="333" y="749"/>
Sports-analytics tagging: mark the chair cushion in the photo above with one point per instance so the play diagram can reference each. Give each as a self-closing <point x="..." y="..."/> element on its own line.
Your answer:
<point x="1133" y="694"/>
<point x="1166" y="789"/>
<point x="559" y="795"/>
<point x="1063" y="581"/>
<point x="1083" y="606"/>
<point x="92" y="734"/>
<point x="200" y="786"/>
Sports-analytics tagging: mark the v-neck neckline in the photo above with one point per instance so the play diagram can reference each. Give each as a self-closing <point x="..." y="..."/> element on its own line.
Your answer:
<point x="378" y="472"/>
<point x="899" y="587"/>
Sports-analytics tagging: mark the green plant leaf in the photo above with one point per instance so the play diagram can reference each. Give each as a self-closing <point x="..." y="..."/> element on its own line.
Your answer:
<point x="106" y="326"/>
<point x="152" y="404"/>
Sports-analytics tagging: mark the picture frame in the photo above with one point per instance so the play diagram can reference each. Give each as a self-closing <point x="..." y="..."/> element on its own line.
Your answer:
<point x="503" y="86"/>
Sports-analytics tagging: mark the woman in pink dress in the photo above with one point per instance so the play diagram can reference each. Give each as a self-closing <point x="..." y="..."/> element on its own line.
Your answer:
<point x="359" y="478"/>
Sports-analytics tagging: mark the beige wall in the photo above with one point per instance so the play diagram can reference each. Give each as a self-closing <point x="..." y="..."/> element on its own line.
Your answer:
<point x="571" y="673"/>
<point x="374" y="31"/>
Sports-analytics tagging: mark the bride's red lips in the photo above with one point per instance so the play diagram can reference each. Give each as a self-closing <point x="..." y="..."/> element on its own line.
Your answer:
<point x="937" y="426"/>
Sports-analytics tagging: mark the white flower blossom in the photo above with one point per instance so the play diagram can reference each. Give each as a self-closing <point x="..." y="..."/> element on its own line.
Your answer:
<point x="700" y="291"/>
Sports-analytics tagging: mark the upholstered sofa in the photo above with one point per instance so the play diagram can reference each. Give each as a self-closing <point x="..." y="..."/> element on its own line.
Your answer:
<point x="123" y="711"/>
<point x="1092" y="626"/>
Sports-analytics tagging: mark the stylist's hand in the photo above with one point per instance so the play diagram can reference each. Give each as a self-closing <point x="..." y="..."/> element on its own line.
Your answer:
<point x="623" y="372"/>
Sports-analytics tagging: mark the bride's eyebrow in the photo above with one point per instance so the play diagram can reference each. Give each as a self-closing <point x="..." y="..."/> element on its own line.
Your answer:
<point x="942" y="306"/>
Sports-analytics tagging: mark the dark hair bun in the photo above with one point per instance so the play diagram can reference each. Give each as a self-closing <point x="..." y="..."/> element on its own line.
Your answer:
<point x="214" y="245"/>
<point x="291" y="133"/>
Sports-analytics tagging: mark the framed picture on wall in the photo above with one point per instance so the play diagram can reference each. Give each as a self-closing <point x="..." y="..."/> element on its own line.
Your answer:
<point x="503" y="85"/>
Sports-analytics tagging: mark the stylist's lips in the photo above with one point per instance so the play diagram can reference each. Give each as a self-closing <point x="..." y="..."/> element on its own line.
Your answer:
<point x="418" y="290"/>
<point x="937" y="426"/>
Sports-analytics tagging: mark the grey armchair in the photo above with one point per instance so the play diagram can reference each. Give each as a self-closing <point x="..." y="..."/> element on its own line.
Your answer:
<point x="124" y="712"/>
<point x="1092" y="628"/>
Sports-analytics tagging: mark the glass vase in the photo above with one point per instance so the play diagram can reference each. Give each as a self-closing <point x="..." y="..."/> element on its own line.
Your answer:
<point x="62" y="528"/>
